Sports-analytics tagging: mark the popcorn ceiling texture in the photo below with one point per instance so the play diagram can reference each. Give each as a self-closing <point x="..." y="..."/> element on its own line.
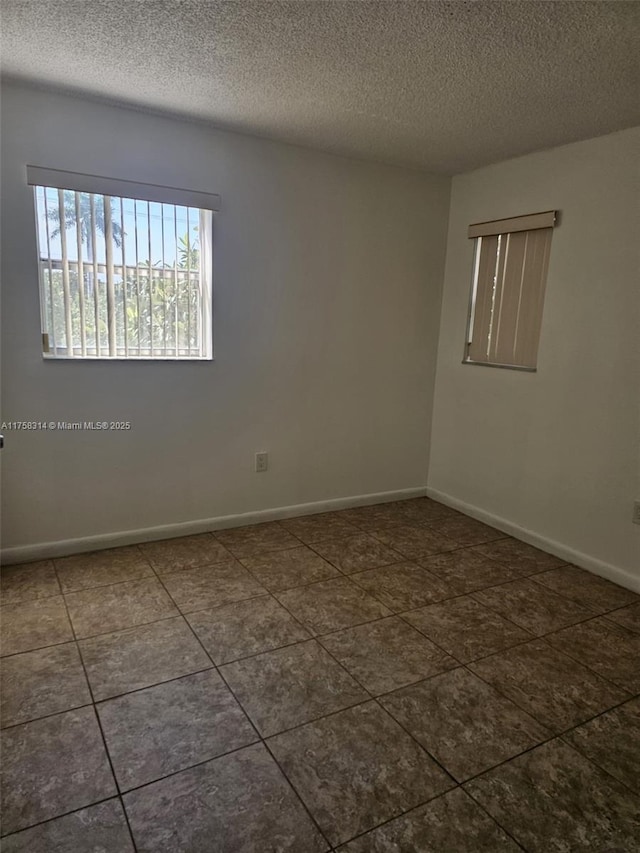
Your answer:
<point x="440" y="86"/>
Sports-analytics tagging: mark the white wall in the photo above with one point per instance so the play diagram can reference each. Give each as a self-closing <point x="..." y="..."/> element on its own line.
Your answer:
<point x="553" y="452"/>
<point x="328" y="274"/>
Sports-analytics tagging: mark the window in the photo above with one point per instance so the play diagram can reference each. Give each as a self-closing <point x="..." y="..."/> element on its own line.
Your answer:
<point x="125" y="269"/>
<point x="509" y="276"/>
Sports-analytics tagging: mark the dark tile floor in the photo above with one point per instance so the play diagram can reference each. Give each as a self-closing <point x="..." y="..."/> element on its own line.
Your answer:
<point x="392" y="678"/>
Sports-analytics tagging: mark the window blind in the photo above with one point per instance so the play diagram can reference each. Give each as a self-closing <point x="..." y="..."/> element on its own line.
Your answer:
<point x="510" y="272"/>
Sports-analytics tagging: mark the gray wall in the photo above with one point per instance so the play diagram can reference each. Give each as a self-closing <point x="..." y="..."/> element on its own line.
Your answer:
<point x="328" y="277"/>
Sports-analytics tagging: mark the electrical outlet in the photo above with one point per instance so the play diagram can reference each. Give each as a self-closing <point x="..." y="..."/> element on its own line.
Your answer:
<point x="262" y="461"/>
<point x="636" y="512"/>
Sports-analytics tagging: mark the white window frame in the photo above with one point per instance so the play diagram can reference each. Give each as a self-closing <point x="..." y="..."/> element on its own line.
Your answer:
<point x="120" y="189"/>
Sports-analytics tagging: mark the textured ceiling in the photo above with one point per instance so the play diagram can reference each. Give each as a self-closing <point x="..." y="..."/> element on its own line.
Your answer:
<point x="444" y="86"/>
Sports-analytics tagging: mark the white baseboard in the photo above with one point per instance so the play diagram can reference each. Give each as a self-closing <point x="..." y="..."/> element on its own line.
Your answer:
<point x="591" y="564"/>
<point x="100" y="541"/>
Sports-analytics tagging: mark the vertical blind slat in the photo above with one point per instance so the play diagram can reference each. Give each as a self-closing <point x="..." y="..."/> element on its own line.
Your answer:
<point x="188" y="335"/>
<point x="504" y="339"/>
<point x="66" y="293"/>
<point x="52" y="328"/>
<point x="93" y="244"/>
<point x="137" y="280"/>
<point x="164" y="285"/>
<point x="125" y="311"/>
<point x="81" y="305"/>
<point x="533" y="290"/>
<point x="175" y="283"/>
<point x="150" y="279"/>
<point x="111" y="291"/>
<point x="496" y="299"/>
<point x="483" y="298"/>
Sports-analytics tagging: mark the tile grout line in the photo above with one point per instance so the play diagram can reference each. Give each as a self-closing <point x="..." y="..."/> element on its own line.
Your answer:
<point x="98" y="721"/>
<point x="497" y="823"/>
<point x="374" y="698"/>
<point x="260" y="739"/>
<point x="248" y="718"/>
<point x="575" y="659"/>
<point x="593" y="761"/>
<point x="399" y="614"/>
<point x="66" y="814"/>
<point x="370" y="698"/>
<point x="554" y="736"/>
<point x="544" y="637"/>
<point x="559" y="737"/>
<point x="317" y="638"/>
<point x="11" y="726"/>
<point x="252" y="724"/>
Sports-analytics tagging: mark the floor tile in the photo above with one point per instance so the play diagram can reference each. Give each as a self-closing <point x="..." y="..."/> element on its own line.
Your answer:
<point x="139" y="657"/>
<point x="466" y="571"/>
<point x="628" y="617"/>
<point x="305" y="648"/>
<point x="239" y="802"/>
<point x="212" y="586"/>
<point x="290" y="686"/>
<point x="187" y="552"/>
<point x="532" y="606"/>
<point x="525" y="558"/>
<point x="386" y="654"/>
<point x="331" y="605"/>
<point x="34" y="624"/>
<point x="403" y="586"/>
<point x="100" y="568"/>
<point x="612" y="741"/>
<point x="311" y="528"/>
<point x="154" y="732"/>
<point x="554" y="799"/>
<point x="122" y="605"/>
<point x="65" y="750"/>
<point x="452" y="823"/>
<point x="372" y="517"/>
<point x="246" y="628"/>
<point x="356" y="552"/>
<point x="98" y="829"/>
<point x="257" y="538"/>
<point x="465" y="628"/>
<point x="608" y="648"/>
<point x="415" y="541"/>
<point x="356" y="769"/>
<point x="596" y="593"/>
<point x="36" y="684"/>
<point x="423" y="511"/>
<point x="27" y="581"/>
<point x="285" y="569"/>
<point x="553" y="688"/>
<point x="465" y="724"/>
<point x="466" y="531"/>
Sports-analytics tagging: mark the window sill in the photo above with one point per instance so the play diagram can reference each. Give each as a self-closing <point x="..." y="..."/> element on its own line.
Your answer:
<point x="502" y="366"/>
